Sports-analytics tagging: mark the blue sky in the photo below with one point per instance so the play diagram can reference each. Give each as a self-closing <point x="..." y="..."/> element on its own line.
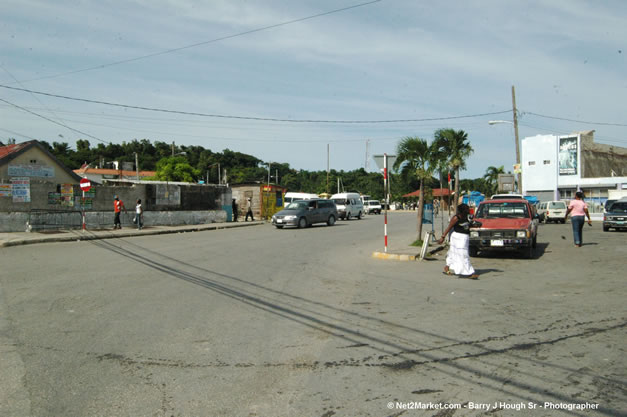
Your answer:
<point x="390" y="60"/>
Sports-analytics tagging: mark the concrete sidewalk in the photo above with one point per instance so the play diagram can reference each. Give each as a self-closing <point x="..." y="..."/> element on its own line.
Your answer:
<point x="25" y="238"/>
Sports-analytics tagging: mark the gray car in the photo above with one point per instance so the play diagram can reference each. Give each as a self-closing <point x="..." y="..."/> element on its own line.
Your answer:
<point x="303" y="213"/>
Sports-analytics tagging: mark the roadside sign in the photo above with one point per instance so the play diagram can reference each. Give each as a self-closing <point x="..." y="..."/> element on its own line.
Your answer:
<point x="85" y="184"/>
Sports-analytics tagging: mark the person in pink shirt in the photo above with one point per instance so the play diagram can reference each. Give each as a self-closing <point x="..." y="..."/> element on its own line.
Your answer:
<point x="579" y="210"/>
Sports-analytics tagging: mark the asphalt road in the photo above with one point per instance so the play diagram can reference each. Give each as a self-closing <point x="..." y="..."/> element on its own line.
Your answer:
<point x="263" y="322"/>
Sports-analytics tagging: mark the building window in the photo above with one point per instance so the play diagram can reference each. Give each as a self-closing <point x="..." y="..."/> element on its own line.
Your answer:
<point x="547" y="162"/>
<point x="33" y="161"/>
<point x="532" y="162"/>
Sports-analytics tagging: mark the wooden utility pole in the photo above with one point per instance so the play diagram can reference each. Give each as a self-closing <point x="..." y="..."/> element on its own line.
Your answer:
<point x="519" y="174"/>
<point x="327" y="169"/>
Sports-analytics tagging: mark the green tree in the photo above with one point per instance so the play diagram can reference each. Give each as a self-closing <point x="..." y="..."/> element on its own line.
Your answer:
<point x="492" y="176"/>
<point x="415" y="157"/>
<point x="453" y="143"/>
<point x="176" y="168"/>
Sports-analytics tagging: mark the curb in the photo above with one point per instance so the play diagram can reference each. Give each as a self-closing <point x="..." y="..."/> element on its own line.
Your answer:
<point x="77" y="235"/>
<point x="403" y="257"/>
<point x="394" y="256"/>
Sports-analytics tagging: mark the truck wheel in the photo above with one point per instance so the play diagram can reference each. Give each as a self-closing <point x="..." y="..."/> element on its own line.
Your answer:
<point x="348" y="215"/>
<point x="606" y="229"/>
<point x="302" y="223"/>
<point x="472" y="251"/>
<point x="359" y="216"/>
<point x="534" y="243"/>
<point x="278" y="226"/>
<point x="331" y="221"/>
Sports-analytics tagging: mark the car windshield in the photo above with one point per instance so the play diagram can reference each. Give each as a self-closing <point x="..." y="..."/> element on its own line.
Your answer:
<point x="619" y="207"/>
<point x="502" y="210"/>
<point x="296" y="205"/>
<point x="557" y="205"/>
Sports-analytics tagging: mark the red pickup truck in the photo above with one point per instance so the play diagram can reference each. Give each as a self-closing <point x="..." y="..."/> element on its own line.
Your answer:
<point x="504" y="224"/>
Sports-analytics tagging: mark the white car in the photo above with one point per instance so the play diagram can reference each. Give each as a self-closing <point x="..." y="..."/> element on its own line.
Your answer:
<point x="372" y="207"/>
<point x="552" y="211"/>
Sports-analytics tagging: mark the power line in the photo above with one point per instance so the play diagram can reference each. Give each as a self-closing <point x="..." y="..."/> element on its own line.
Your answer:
<point x="265" y="119"/>
<point x="18" y="134"/>
<point x="167" y="51"/>
<point x="573" y="120"/>
<point x="54" y="121"/>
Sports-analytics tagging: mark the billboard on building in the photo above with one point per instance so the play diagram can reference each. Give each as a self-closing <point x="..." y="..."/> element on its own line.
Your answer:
<point x="568" y="156"/>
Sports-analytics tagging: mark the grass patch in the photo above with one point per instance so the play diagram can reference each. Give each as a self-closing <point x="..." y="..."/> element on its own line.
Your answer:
<point x="417" y="243"/>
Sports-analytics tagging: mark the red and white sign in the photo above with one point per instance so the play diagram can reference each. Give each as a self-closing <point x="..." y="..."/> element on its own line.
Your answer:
<point x="85" y="184"/>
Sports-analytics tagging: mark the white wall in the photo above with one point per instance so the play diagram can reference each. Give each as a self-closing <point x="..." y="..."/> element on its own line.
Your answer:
<point x="541" y="175"/>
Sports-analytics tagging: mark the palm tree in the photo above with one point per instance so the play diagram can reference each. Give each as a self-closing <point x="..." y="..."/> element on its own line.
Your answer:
<point x="453" y="143"/>
<point x="492" y="177"/>
<point x="416" y="157"/>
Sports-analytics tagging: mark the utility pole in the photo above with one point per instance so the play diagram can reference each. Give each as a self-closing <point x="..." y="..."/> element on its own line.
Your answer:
<point x="327" y="169"/>
<point x="137" y="166"/>
<point x="519" y="174"/>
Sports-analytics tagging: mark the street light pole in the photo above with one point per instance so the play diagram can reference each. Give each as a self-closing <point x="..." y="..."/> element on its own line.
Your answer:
<point x="519" y="175"/>
<point x="516" y="140"/>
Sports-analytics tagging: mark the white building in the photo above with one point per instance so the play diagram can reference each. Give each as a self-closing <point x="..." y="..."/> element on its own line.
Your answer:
<point x="555" y="167"/>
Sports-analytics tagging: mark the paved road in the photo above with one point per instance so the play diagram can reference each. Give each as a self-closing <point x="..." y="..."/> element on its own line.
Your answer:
<point x="263" y="322"/>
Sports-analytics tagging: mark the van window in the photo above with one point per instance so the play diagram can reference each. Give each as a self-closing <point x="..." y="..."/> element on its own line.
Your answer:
<point x="557" y="205"/>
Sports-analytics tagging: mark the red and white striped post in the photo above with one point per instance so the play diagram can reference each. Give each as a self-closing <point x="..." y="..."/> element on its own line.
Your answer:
<point x="385" y="198"/>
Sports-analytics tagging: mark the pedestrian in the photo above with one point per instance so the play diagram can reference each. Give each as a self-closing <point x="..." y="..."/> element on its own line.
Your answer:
<point x="249" y="209"/>
<point x="234" y="208"/>
<point x="458" y="259"/>
<point x="118" y="206"/>
<point x="579" y="210"/>
<point x="139" y="214"/>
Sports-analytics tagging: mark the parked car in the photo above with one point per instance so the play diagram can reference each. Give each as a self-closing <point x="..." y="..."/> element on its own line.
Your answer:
<point x="372" y="207"/>
<point x="504" y="225"/>
<point x="552" y="211"/>
<point x="616" y="216"/>
<point x="348" y="205"/>
<point x="303" y="213"/>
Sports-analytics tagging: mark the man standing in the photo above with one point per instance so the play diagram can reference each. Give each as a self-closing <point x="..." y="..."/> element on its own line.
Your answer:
<point x="234" y="208"/>
<point x="249" y="209"/>
<point x="118" y="205"/>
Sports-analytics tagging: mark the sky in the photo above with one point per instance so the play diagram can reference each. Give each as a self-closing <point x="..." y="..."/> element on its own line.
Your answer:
<point x="355" y="81"/>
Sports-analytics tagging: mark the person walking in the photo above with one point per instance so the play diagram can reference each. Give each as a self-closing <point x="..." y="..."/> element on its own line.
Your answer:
<point x="458" y="259"/>
<point x="234" y="209"/>
<point x="118" y="205"/>
<point x="139" y="214"/>
<point x="579" y="210"/>
<point x="249" y="209"/>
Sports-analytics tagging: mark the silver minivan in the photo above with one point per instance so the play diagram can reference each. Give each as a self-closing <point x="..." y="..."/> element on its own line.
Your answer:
<point x="303" y="213"/>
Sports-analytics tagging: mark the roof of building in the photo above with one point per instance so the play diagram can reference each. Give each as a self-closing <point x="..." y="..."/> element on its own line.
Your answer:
<point x="119" y="172"/>
<point x="12" y="151"/>
<point x="14" y="148"/>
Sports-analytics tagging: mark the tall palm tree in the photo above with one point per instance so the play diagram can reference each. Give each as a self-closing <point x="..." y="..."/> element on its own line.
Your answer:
<point x="415" y="157"/>
<point x="492" y="177"/>
<point x="454" y="144"/>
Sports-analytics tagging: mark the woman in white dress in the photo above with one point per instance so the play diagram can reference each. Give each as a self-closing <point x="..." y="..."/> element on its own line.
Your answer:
<point x="458" y="259"/>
